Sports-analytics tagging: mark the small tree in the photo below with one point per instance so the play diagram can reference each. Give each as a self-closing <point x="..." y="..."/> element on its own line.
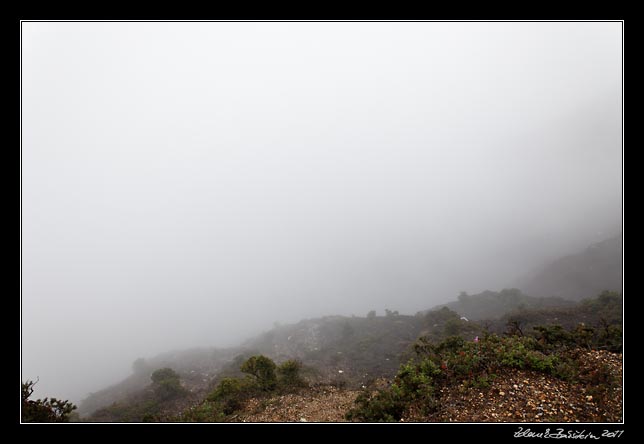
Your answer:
<point x="263" y="369"/>
<point x="167" y="383"/>
<point x="371" y="314"/>
<point x="514" y="327"/>
<point x="289" y="373"/>
<point x="43" y="410"/>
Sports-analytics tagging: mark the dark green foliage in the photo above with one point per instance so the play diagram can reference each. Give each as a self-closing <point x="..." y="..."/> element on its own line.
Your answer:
<point x="263" y="369"/>
<point x="553" y="351"/>
<point x="231" y="393"/>
<point x="207" y="411"/>
<point x="604" y="337"/>
<point x="413" y="384"/>
<point x="132" y="411"/>
<point x="609" y="337"/>
<point x="167" y="384"/>
<point x="147" y="405"/>
<point x="608" y="306"/>
<point x="164" y="374"/>
<point x="289" y="374"/>
<point x="514" y="327"/>
<point x="382" y="406"/>
<point x="553" y="335"/>
<point x="451" y="344"/>
<point x="230" y="387"/>
<point x="416" y="380"/>
<point x="43" y="410"/>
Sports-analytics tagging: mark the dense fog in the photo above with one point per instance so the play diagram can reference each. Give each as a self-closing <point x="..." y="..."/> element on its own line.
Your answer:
<point x="191" y="184"/>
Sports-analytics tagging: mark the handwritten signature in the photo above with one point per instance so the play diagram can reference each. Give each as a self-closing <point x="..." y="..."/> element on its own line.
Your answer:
<point x="566" y="434"/>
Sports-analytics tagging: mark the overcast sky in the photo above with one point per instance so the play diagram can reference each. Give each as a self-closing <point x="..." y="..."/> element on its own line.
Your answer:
<point x="189" y="184"/>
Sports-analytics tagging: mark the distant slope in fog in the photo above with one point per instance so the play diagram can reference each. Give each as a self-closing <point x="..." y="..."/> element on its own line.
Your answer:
<point x="195" y="366"/>
<point x="582" y="275"/>
<point x="492" y="304"/>
<point x="353" y="350"/>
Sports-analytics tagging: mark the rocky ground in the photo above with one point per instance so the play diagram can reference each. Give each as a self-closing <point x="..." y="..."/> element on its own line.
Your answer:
<point x="318" y="404"/>
<point x="514" y="396"/>
<point x="527" y="396"/>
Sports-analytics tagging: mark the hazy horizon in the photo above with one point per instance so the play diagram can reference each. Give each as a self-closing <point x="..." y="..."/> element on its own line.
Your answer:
<point x="190" y="184"/>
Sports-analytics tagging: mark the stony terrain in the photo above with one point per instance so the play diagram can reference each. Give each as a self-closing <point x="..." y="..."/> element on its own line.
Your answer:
<point x="318" y="404"/>
<point x="515" y="396"/>
<point x="524" y="396"/>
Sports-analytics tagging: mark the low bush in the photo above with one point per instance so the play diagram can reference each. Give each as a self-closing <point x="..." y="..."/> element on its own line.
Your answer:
<point x="43" y="410"/>
<point x="264" y="377"/>
<point x="289" y="374"/>
<point x="167" y="384"/>
<point x="381" y="406"/>
<point x="263" y="369"/>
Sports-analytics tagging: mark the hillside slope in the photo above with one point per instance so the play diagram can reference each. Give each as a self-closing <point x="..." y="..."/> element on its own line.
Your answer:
<point x="348" y="352"/>
<point x="582" y="275"/>
<point x="513" y="396"/>
<point x="196" y="367"/>
<point x="492" y="304"/>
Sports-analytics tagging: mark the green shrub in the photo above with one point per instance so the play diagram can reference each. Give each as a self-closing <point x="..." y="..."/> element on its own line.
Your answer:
<point x="610" y="337"/>
<point x="205" y="412"/>
<point x="164" y="374"/>
<point x="231" y="393"/>
<point x="289" y="374"/>
<point x="43" y="410"/>
<point x="451" y="344"/>
<point x="553" y="336"/>
<point x="130" y="411"/>
<point x="263" y="369"/>
<point x="416" y="381"/>
<point x="542" y="363"/>
<point x="383" y="406"/>
<point x="167" y="384"/>
<point x="475" y="363"/>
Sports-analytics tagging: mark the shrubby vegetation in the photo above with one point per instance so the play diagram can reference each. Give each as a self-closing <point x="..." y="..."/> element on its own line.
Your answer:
<point x="491" y="304"/>
<point x="366" y="348"/>
<point x="146" y="406"/>
<point x="167" y="384"/>
<point x="263" y="369"/>
<point x="444" y="322"/>
<point x="43" y="410"/>
<point x="263" y="378"/>
<point x="290" y="374"/>
<point x="476" y="361"/>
